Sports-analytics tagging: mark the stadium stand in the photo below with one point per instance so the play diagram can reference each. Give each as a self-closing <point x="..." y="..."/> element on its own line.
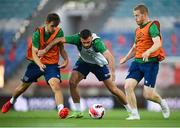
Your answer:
<point x="18" y="10"/>
<point x="157" y="8"/>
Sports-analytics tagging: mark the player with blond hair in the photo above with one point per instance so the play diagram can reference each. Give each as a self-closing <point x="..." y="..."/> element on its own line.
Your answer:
<point x="148" y="52"/>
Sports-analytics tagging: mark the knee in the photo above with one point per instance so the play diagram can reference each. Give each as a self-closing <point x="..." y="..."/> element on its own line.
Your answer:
<point x="128" y="88"/>
<point x="55" y="85"/>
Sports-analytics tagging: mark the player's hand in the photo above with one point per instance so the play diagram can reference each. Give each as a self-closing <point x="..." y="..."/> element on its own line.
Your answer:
<point x="41" y="52"/>
<point x="145" y="56"/>
<point x="42" y="66"/>
<point x="64" y="64"/>
<point x="123" y="60"/>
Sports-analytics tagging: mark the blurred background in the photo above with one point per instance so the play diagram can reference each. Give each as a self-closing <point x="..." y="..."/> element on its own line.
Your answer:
<point x="113" y="21"/>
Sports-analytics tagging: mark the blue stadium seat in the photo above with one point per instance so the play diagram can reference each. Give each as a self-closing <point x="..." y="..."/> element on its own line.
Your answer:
<point x="156" y="7"/>
<point x="17" y="9"/>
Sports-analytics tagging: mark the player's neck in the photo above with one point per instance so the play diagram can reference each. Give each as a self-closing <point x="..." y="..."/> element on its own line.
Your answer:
<point x="46" y="30"/>
<point x="146" y="20"/>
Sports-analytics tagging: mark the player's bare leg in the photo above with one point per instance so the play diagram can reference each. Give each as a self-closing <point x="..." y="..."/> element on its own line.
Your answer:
<point x="118" y="93"/>
<point x="151" y="94"/>
<point x="55" y="85"/>
<point x="18" y="91"/>
<point x="75" y="78"/>
<point x="130" y="85"/>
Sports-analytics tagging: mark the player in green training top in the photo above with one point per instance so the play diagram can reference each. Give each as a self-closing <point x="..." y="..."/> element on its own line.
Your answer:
<point x="95" y="58"/>
<point x="48" y="65"/>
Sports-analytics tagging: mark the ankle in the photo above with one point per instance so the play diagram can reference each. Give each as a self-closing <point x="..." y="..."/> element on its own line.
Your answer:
<point x="12" y="100"/>
<point x="135" y="111"/>
<point x="128" y="108"/>
<point x="77" y="107"/>
<point x="60" y="107"/>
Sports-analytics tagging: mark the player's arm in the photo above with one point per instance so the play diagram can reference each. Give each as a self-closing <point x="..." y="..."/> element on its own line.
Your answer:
<point x="72" y="39"/>
<point x="99" y="46"/>
<point x="64" y="56"/>
<point x="111" y="62"/>
<point x="50" y="45"/>
<point x="35" y="47"/>
<point x="155" y="34"/>
<point x="37" y="59"/>
<point x="130" y="54"/>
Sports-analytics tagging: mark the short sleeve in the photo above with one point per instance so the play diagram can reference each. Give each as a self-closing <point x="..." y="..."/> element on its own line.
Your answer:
<point x="73" y="39"/>
<point x="36" y="39"/>
<point x="99" y="46"/>
<point x="60" y="33"/>
<point x="154" y="31"/>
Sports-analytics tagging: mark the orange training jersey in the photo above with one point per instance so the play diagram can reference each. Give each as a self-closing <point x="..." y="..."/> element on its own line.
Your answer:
<point x="52" y="56"/>
<point x="144" y="42"/>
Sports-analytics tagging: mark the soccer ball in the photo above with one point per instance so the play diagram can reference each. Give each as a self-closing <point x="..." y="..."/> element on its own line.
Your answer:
<point x="96" y="111"/>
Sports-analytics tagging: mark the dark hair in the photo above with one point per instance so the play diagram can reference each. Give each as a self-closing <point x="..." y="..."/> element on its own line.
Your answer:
<point x="142" y="8"/>
<point x="85" y="33"/>
<point x="53" y="17"/>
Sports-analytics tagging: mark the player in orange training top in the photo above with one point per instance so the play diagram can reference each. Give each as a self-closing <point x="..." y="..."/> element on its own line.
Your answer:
<point x="147" y="51"/>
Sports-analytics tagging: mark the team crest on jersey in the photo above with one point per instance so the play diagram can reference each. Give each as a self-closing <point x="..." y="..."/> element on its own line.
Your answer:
<point x="139" y="35"/>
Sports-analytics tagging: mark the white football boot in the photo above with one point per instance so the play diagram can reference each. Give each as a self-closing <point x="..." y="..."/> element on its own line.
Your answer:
<point x="133" y="116"/>
<point x="165" y="109"/>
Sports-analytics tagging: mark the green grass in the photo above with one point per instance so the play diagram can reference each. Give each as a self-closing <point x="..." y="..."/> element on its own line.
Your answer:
<point x="112" y="118"/>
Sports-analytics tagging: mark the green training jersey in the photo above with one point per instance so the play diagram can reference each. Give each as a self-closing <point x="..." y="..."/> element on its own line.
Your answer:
<point x="94" y="54"/>
<point x="36" y="37"/>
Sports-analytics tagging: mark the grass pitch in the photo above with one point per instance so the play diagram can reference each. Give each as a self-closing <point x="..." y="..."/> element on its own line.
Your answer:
<point x="112" y="118"/>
